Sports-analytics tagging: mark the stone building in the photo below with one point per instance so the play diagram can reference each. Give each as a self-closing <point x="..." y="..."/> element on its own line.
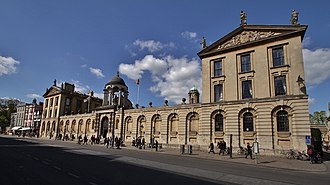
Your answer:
<point x="253" y="89"/>
<point x="66" y="111"/>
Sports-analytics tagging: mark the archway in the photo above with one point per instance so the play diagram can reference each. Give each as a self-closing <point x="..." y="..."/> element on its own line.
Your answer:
<point x="104" y="127"/>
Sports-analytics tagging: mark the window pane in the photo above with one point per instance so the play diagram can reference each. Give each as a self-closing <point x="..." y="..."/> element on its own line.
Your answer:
<point x="218" y="68"/>
<point x="278" y="57"/>
<point x="245" y="63"/>
<point x="219" y="123"/>
<point x="282" y="121"/>
<point x="248" y="121"/>
<point x="247" y="89"/>
<point x="280" y="85"/>
<point x="218" y="92"/>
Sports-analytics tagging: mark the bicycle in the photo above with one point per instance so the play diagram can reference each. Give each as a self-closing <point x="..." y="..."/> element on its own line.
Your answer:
<point x="241" y="151"/>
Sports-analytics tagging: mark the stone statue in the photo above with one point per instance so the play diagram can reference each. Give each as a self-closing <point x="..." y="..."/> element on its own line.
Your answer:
<point x="294" y="17"/>
<point x="203" y="43"/>
<point x="243" y="18"/>
<point x="54" y="82"/>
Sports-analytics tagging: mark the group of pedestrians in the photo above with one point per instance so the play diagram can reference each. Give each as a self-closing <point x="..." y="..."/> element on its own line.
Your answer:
<point x="222" y="146"/>
<point x="140" y="143"/>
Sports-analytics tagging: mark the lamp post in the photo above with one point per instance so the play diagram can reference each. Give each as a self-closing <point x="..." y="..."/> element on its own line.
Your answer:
<point x="113" y="124"/>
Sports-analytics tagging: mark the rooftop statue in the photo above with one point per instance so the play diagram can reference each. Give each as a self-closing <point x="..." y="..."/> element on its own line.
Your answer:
<point x="243" y="18"/>
<point x="203" y="43"/>
<point x="294" y="17"/>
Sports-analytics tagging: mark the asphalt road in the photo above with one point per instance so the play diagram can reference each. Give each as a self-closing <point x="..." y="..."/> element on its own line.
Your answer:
<point x="27" y="163"/>
<point x="58" y="162"/>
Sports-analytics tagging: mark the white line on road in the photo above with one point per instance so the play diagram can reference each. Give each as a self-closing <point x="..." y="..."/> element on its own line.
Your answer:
<point x="237" y="179"/>
<point x="92" y="183"/>
<point x="57" y="168"/>
<point x="73" y="175"/>
<point x="45" y="162"/>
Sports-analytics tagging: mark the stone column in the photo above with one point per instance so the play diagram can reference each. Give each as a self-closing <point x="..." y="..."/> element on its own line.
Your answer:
<point x="106" y="96"/>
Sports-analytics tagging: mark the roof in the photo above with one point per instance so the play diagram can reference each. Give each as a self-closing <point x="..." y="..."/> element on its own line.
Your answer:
<point x="247" y="35"/>
<point x="116" y="80"/>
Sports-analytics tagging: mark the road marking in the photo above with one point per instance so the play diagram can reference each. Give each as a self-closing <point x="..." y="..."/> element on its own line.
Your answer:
<point x="73" y="175"/>
<point x="199" y="173"/>
<point x="57" y="168"/>
<point x="92" y="183"/>
<point x="45" y="162"/>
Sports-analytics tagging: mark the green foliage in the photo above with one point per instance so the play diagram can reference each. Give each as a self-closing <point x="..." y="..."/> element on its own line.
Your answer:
<point x="318" y="117"/>
<point x="5" y="115"/>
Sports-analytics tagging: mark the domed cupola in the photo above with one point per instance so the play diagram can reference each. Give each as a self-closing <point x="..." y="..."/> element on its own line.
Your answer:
<point x="116" y="83"/>
<point x="116" y="93"/>
<point x="193" y="95"/>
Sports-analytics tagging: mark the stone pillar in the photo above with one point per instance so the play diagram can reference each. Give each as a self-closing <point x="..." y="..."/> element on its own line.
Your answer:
<point x="106" y="96"/>
<point x="111" y="97"/>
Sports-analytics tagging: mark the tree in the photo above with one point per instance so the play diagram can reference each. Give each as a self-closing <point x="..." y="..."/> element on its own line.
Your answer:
<point x="318" y="117"/>
<point x="5" y="115"/>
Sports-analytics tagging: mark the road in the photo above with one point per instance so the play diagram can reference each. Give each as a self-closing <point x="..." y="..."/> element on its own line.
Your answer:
<point x="33" y="161"/>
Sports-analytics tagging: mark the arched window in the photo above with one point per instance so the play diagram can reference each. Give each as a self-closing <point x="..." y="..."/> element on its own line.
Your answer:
<point x="218" y="123"/>
<point x="282" y="121"/>
<point x="129" y="124"/>
<point x="193" y="123"/>
<point x="174" y="122"/>
<point x="248" y="121"/>
<point x="157" y="124"/>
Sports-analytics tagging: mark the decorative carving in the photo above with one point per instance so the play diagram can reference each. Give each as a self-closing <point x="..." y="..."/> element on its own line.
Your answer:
<point x="246" y="36"/>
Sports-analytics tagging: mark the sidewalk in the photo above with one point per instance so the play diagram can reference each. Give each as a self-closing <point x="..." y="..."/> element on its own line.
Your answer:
<point x="267" y="161"/>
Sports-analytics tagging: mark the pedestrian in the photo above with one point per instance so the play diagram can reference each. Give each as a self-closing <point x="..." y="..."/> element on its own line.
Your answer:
<point x="156" y="145"/>
<point x="85" y="139"/>
<point x="118" y="143"/>
<point x="249" y="151"/>
<point x="220" y="146"/>
<point x="79" y="139"/>
<point x="144" y="143"/>
<point x="211" y="148"/>
<point x="224" y="147"/>
<point x="108" y="142"/>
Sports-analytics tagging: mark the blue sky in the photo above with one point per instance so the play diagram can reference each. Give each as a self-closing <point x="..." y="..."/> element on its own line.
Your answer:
<point x="85" y="42"/>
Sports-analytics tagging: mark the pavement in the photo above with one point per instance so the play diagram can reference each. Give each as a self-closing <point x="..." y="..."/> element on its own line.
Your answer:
<point x="262" y="160"/>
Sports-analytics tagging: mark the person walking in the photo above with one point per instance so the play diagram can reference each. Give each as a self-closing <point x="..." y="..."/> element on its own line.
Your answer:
<point x="220" y="146"/>
<point x="224" y="147"/>
<point x="156" y="145"/>
<point x="85" y="139"/>
<point x="211" y="148"/>
<point x="249" y="151"/>
<point x="144" y="143"/>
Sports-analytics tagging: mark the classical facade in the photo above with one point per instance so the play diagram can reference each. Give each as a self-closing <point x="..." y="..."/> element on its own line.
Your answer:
<point x="67" y="112"/>
<point x="253" y="89"/>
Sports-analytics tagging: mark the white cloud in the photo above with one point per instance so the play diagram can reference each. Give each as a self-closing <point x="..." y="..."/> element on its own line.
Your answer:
<point x="191" y="36"/>
<point x="84" y="65"/>
<point x="33" y="96"/>
<point x="151" y="45"/>
<point x="317" y="65"/>
<point x="97" y="72"/>
<point x="173" y="77"/>
<point x="311" y="101"/>
<point x="7" y="65"/>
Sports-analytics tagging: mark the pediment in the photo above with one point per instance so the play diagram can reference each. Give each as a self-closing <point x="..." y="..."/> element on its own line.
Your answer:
<point x="245" y="37"/>
<point x="52" y="91"/>
<point x="248" y="34"/>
